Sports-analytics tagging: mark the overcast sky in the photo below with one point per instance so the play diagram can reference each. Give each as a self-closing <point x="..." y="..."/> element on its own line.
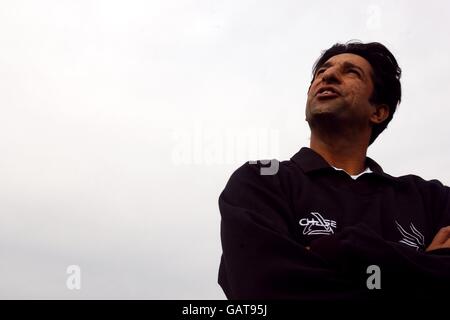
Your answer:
<point x="121" y="122"/>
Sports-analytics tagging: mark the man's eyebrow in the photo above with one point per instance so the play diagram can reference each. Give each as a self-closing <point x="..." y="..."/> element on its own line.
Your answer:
<point x="346" y="64"/>
<point x="325" y="65"/>
<point x="351" y="65"/>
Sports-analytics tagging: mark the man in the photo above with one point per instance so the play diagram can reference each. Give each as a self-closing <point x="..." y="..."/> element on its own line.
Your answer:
<point x="329" y="223"/>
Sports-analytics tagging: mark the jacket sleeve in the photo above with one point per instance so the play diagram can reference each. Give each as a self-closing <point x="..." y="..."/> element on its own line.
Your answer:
<point x="261" y="260"/>
<point x="442" y="201"/>
<point x="403" y="271"/>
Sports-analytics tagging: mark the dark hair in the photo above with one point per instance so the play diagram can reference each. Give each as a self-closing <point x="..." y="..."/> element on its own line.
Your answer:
<point x="386" y="75"/>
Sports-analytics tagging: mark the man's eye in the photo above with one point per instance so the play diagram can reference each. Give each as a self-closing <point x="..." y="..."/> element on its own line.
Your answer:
<point x="354" y="71"/>
<point x="320" y="71"/>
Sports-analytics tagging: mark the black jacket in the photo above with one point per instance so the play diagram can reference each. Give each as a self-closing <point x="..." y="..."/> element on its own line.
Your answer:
<point x="269" y="220"/>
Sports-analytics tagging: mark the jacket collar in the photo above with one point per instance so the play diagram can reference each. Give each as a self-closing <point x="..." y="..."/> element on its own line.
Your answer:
<point x="309" y="160"/>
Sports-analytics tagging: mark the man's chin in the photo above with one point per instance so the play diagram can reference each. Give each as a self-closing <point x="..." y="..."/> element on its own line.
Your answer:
<point x="323" y="115"/>
<point x="323" y="111"/>
<point x="325" y="105"/>
<point x="325" y="119"/>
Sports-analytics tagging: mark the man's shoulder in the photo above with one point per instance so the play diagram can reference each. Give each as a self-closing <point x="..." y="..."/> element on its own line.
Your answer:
<point x="434" y="185"/>
<point x="265" y="174"/>
<point x="257" y="186"/>
<point x="265" y="169"/>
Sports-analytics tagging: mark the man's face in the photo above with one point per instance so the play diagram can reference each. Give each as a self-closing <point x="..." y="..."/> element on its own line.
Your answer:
<point x="341" y="90"/>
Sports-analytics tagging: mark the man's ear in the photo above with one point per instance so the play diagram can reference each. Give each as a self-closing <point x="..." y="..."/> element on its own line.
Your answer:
<point x="379" y="114"/>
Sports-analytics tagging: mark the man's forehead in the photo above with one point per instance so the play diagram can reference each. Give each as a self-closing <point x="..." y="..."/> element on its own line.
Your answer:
<point x="351" y="58"/>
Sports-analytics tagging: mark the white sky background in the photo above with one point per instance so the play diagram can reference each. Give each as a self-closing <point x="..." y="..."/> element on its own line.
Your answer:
<point x="121" y="122"/>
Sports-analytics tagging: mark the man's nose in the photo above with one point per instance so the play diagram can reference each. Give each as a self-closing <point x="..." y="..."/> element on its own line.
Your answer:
<point x="331" y="75"/>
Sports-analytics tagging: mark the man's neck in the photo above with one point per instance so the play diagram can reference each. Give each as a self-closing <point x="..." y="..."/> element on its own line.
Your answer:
<point x="341" y="153"/>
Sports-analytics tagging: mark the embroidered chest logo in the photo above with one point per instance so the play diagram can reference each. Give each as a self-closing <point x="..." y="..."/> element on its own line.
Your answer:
<point x="413" y="239"/>
<point x="317" y="225"/>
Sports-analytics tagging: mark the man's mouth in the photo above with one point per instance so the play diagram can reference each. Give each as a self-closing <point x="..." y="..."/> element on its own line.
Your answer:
<point x="327" y="92"/>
